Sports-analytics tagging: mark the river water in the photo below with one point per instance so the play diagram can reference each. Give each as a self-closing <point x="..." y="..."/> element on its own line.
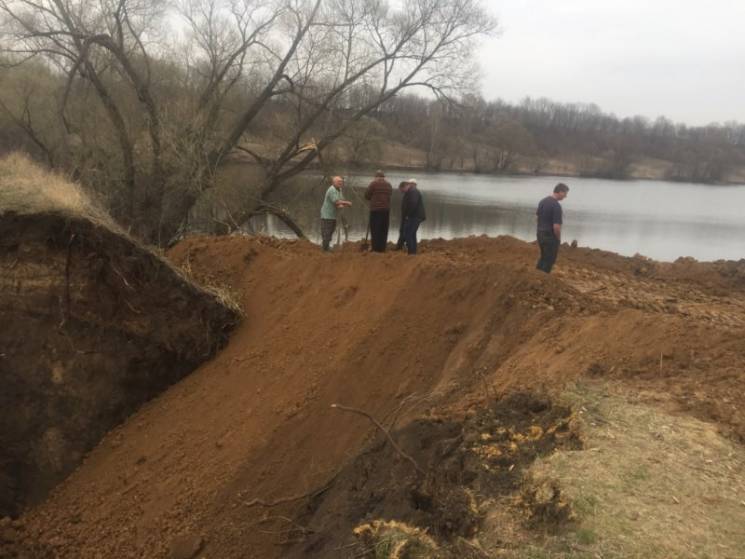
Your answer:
<point x="661" y="220"/>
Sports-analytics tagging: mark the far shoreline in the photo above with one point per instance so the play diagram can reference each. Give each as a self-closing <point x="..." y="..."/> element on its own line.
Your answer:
<point x="370" y="168"/>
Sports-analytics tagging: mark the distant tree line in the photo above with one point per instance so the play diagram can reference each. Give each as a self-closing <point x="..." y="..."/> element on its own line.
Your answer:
<point x="499" y="137"/>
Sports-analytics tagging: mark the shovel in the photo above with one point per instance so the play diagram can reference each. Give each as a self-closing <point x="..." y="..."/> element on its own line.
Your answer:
<point x="364" y="245"/>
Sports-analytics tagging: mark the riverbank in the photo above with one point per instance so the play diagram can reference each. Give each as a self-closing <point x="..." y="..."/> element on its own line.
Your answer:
<point x="399" y="157"/>
<point x="630" y="217"/>
<point x="505" y="386"/>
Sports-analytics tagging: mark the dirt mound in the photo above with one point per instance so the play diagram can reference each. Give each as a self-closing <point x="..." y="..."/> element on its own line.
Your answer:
<point x="99" y="326"/>
<point x="252" y="433"/>
<point x="436" y="480"/>
<point x="720" y="277"/>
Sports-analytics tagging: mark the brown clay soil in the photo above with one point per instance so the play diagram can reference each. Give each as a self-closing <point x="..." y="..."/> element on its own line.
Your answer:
<point x="432" y="344"/>
<point x="93" y="336"/>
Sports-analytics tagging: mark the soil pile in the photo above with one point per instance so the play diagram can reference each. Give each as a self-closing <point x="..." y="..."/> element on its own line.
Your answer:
<point x="438" y="478"/>
<point x="95" y="325"/>
<point x="247" y="457"/>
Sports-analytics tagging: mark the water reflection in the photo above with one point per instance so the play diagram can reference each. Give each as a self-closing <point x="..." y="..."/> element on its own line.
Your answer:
<point x="660" y="220"/>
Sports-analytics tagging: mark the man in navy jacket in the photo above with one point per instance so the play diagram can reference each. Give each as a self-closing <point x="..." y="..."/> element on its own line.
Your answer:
<point x="549" y="220"/>
<point x="412" y="215"/>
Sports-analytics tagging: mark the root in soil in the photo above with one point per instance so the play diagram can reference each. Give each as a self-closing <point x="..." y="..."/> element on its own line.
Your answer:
<point x="380" y="498"/>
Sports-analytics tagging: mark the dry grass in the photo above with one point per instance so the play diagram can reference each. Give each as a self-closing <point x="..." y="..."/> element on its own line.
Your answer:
<point x="649" y="485"/>
<point x="226" y="294"/>
<point x="395" y="540"/>
<point x="26" y="188"/>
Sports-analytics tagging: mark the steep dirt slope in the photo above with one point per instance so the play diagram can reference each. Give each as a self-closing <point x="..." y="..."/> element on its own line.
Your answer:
<point x="92" y="327"/>
<point x="395" y="336"/>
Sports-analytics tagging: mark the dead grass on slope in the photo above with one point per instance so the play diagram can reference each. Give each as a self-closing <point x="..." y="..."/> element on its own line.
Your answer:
<point x="649" y="485"/>
<point x="26" y="188"/>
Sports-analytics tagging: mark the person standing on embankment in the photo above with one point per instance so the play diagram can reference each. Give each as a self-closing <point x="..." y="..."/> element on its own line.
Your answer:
<point x="400" y="243"/>
<point x="331" y="203"/>
<point x="412" y="215"/>
<point x="550" y="220"/>
<point x="379" y="194"/>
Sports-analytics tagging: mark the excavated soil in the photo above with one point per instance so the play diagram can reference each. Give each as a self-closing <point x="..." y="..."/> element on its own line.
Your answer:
<point x="247" y="458"/>
<point x="94" y="327"/>
<point x="465" y="462"/>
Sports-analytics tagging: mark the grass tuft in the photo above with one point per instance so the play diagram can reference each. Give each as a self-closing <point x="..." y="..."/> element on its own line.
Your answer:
<point x="395" y="540"/>
<point x="26" y="188"/>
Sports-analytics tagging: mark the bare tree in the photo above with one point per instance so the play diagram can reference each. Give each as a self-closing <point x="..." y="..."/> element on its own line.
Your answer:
<point x="92" y="41"/>
<point x="23" y="104"/>
<point x="352" y="57"/>
<point x="325" y="65"/>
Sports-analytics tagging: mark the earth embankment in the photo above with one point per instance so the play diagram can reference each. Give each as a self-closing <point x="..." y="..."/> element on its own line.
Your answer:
<point x="93" y="326"/>
<point x="225" y="463"/>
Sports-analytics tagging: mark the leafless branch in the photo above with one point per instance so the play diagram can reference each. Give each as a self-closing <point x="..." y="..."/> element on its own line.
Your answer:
<point x="294" y="498"/>
<point x="377" y="424"/>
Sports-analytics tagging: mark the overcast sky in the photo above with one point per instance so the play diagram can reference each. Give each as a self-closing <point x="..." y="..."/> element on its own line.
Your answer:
<point x="683" y="59"/>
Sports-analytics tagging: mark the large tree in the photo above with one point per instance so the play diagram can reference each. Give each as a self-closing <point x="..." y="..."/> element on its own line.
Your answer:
<point x="155" y="96"/>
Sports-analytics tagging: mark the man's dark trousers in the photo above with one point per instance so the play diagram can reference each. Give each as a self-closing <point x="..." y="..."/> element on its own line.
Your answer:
<point x="549" y="245"/>
<point x="328" y="226"/>
<point x="379" y="222"/>
<point x="401" y="239"/>
<point x="411" y="225"/>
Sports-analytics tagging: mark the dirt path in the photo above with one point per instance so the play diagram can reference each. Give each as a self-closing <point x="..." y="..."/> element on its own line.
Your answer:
<point x="396" y="336"/>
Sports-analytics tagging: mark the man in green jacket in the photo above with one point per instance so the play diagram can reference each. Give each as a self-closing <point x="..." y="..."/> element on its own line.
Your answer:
<point x="331" y="202"/>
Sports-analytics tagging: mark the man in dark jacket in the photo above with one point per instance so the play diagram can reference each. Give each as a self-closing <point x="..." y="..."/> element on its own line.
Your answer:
<point x="550" y="219"/>
<point x="379" y="194"/>
<point x="412" y="215"/>
<point x="400" y="242"/>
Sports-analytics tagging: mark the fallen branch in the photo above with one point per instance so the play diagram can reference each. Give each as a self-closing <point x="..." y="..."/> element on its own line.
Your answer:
<point x="292" y="499"/>
<point x="330" y="482"/>
<point x="294" y="535"/>
<point x="411" y="400"/>
<point x="261" y="160"/>
<point x="385" y="432"/>
<point x="282" y="215"/>
<point x="296" y="527"/>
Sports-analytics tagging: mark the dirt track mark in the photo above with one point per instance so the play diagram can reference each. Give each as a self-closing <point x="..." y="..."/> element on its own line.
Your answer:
<point x="651" y="295"/>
